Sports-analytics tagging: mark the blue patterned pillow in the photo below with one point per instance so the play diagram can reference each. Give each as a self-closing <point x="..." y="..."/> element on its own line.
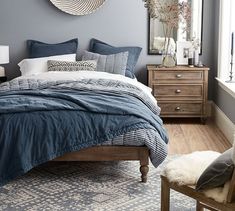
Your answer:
<point x="97" y="46"/>
<point x="37" y="49"/>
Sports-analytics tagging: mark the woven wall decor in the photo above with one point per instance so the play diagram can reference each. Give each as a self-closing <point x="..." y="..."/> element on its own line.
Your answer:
<point x="78" y="7"/>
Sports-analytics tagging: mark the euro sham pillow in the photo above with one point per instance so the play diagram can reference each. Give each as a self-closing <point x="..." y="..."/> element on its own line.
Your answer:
<point x="37" y="49"/>
<point x="114" y="63"/>
<point x="89" y="65"/>
<point x="100" y="47"/>
<point x="37" y="66"/>
<point x="218" y="172"/>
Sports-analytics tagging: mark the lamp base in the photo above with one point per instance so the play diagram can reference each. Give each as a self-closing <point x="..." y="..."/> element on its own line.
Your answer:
<point x="2" y="71"/>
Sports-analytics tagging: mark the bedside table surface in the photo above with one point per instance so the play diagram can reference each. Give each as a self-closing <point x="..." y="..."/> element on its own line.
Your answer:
<point x="179" y="68"/>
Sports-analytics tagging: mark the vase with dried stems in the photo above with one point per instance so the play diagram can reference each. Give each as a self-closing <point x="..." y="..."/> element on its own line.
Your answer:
<point x="171" y="14"/>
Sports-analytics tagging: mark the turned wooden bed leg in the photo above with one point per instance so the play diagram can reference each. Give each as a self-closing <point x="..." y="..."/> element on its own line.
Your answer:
<point x="144" y="171"/>
<point x="144" y="162"/>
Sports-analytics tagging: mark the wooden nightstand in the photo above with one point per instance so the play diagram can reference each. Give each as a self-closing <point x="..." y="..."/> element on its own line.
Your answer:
<point x="3" y="79"/>
<point x="181" y="91"/>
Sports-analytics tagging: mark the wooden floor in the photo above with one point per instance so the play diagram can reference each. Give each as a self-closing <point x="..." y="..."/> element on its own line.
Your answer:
<point x="188" y="135"/>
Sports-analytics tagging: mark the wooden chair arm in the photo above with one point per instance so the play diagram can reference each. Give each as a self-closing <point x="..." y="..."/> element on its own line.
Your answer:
<point x="231" y="192"/>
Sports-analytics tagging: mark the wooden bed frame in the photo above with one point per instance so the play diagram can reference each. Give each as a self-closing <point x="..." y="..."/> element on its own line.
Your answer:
<point x="112" y="153"/>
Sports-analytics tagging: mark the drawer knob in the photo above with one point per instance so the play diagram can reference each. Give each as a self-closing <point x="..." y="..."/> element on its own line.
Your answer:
<point x="177" y="91"/>
<point x="178" y="76"/>
<point x="177" y="108"/>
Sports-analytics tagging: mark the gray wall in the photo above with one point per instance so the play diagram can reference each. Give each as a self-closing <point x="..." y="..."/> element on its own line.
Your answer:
<point x="222" y="99"/>
<point x="118" y="22"/>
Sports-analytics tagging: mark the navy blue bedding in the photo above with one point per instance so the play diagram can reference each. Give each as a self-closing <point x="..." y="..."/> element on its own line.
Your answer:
<point x="44" y="121"/>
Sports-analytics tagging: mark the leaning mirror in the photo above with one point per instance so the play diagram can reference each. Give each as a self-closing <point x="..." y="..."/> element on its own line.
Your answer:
<point x="156" y="30"/>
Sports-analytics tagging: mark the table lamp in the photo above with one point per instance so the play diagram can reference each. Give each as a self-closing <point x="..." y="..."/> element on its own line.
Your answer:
<point x="4" y="58"/>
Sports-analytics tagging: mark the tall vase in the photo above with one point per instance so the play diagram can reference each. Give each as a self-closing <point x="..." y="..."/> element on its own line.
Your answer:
<point x="168" y="57"/>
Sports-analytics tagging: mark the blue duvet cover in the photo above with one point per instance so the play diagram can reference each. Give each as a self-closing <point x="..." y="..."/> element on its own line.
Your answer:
<point x="41" y="120"/>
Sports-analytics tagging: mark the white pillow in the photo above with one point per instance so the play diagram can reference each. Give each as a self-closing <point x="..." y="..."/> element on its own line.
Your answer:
<point x="36" y="66"/>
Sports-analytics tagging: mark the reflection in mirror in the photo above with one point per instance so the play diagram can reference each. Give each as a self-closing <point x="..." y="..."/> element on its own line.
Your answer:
<point x="156" y="33"/>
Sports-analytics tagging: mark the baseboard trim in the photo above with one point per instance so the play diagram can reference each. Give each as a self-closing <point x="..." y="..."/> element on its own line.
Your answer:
<point x="223" y="122"/>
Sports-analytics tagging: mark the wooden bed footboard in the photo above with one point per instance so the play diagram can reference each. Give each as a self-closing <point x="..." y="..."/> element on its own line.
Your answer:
<point x="112" y="153"/>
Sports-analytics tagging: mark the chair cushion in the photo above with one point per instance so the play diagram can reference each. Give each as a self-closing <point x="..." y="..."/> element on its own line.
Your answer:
<point x="218" y="172"/>
<point x="100" y="47"/>
<point x="37" y="49"/>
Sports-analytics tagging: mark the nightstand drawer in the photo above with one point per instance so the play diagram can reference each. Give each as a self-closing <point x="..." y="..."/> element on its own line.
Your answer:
<point x="178" y="91"/>
<point x="177" y="75"/>
<point x="181" y="108"/>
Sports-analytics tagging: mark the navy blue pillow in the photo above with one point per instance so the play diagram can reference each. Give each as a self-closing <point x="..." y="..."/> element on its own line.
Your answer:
<point x="97" y="46"/>
<point x="39" y="49"/>
<point x="218" y="172"/>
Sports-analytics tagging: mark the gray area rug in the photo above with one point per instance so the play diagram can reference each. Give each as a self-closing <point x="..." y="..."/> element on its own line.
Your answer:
<point x="97" y="186"/>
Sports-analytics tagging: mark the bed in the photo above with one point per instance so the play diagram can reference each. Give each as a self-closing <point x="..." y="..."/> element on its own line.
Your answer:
<point x="82" y="116"/>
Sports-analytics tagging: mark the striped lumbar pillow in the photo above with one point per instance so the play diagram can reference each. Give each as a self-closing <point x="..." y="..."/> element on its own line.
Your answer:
<point x="89" y="65"/>
<point x="114" y="63"/>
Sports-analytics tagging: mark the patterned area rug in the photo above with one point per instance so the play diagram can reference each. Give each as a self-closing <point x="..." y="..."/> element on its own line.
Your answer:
<point x="97" y="186"/>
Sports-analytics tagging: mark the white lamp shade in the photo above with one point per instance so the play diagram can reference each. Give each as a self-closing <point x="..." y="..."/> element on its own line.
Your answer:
<point x="4" y="54"/>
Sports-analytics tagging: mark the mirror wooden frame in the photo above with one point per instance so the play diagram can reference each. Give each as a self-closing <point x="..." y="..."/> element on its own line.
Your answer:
<point x="149" y="34"/>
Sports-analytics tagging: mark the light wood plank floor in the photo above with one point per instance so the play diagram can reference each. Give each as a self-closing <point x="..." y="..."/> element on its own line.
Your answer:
<point x="188" y="135"/>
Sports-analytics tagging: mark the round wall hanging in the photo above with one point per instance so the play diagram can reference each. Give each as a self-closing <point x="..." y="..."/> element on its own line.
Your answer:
<point x="78" y="7"/>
